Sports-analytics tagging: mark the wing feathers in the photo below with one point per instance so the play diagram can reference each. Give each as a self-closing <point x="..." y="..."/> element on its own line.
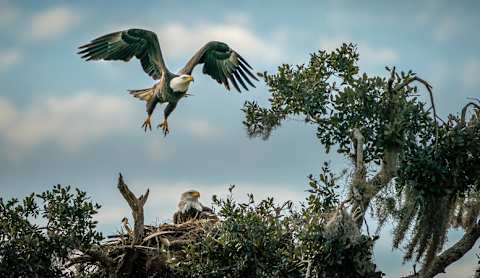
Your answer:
<point x="244" y="61"/>
<point x="248" y="71"/>
<point x="223" y="64"/>
<point x="124" y="45"/>
<point x="231" y="78"/>
<point x="239" y="69"/>
<point x="237" y="76"/>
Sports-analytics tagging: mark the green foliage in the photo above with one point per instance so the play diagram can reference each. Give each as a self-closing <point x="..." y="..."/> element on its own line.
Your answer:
<point x="437" y="173"/>
<point x="451" y="162"/>
<point x="262" y="239"/>
<point x="323" y="198"/>
<point x="437" y="182"/>
<point x="336" y="248"/>
<point x="35" y="241"/>
<point x="254" y="239"/>
<point x="251" y="241"/>
<point x="388" y="115"/>
<point x="437" y="177"/>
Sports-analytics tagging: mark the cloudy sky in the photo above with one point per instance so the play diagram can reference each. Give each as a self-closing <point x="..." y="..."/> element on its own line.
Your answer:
<point x="66" y="121"/>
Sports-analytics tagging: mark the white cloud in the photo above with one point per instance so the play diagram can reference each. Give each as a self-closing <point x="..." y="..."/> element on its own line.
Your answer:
<point x="377" y="55"/>
<point x="201" y="129"/>
<point x="7" y="113"/>
<point x="194" y="129"/>
<point x="9" y="58"/>
<point x="446" y="28"/>
<point x="70" y="121"/>
<point x="438" y="73"/>
<point x="238" y="18"/>
<point x="331" y="43"/>
<point x="443" y="26"/>
<point x="470" y="73"/>
<point x="181" y="39"/>
<point x="52" y="22"/>
<point x="111" y="215"/>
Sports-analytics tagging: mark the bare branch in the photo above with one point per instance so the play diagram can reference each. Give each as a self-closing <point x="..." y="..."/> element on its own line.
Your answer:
<point x="371" y="187"/>
<point x="359" y="163"/>
<point x="427" y="86"/>
<point x="464" y="111"/>
<point x="94" y="256"/>
<point x="452" y="254"/>
<point x="391" y="80"/>
<point x="359" y="184"/>
<point x="136" y="204"/>
<point x="101" y="257"/>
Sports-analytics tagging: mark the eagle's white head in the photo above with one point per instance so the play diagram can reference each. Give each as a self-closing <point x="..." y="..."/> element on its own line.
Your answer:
<point x="180" y="83"/>
<point x="188" y="200"/>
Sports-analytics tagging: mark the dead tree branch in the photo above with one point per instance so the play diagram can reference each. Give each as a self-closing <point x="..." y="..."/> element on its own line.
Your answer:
<point x="97" y="257"/>
<point x="362" y="190"/>
<point x="452" y="254"/>
<point x="427" y="86"/>
<point x="358" y="189"/>
<point x="464" y="111"/>
<point x="136" y="204"/>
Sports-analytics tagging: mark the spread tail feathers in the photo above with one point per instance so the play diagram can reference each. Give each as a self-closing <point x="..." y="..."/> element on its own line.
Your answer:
<point x="143" y="94"/>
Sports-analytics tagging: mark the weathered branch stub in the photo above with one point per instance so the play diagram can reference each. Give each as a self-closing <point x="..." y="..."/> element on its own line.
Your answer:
<point x="136" y="204"/>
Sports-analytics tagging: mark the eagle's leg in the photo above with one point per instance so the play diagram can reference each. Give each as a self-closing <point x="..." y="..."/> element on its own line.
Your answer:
<point x="150" y="107"/>
<point x="168" y="110"/>
<point x="147" y="123"/>
<point x="164" y="126"/>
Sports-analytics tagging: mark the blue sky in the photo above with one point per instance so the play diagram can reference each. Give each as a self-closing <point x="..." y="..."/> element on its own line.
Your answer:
<point x="66" y="121"/>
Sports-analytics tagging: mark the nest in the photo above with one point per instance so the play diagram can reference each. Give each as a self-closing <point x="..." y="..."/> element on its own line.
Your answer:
<point x="169" y="237"/>
<point x="144" y="250"/>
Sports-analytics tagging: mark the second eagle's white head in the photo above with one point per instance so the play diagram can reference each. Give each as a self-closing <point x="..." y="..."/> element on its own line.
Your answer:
<point x="181" y="83"/>
<point x="189" y="200"/>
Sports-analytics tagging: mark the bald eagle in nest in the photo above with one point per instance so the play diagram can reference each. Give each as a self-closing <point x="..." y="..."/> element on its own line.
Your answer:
<point x="189" y="208"/>
<point x="219" y="61"/>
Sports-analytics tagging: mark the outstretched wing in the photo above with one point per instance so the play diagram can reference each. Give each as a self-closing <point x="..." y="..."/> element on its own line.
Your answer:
<point x="223" y="64"/>
<point x="123" y="45"/>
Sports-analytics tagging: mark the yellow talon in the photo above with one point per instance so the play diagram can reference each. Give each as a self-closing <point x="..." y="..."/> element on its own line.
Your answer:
<point x="147" y="124"/>
<point x="164" y="126"/>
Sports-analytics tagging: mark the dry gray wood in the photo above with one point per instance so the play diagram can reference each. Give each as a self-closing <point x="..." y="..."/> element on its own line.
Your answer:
<point x="136" y="204"/>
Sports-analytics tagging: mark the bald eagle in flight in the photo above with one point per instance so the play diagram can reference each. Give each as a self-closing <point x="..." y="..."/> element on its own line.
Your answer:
<point x="189" y="208"/>
<point x="219" y="61"/>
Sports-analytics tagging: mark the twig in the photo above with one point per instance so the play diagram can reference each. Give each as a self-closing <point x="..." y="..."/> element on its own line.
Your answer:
<point x="309" y="269"/>
<point x="157" y="234"/>
<point x="425" y="83"/>
<point x="464" y="111"/>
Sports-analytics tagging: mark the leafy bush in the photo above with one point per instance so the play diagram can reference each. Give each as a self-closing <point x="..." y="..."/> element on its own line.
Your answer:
<point x="37" y="241"/>
<point x="262" y="239"/>
<point x="427" y="173"/>
<point x="253" y="239"/>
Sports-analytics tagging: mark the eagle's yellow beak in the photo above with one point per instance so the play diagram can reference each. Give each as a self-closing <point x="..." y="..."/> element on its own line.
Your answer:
<point x="196" y="194"/>
<point x="190" y="78"/>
